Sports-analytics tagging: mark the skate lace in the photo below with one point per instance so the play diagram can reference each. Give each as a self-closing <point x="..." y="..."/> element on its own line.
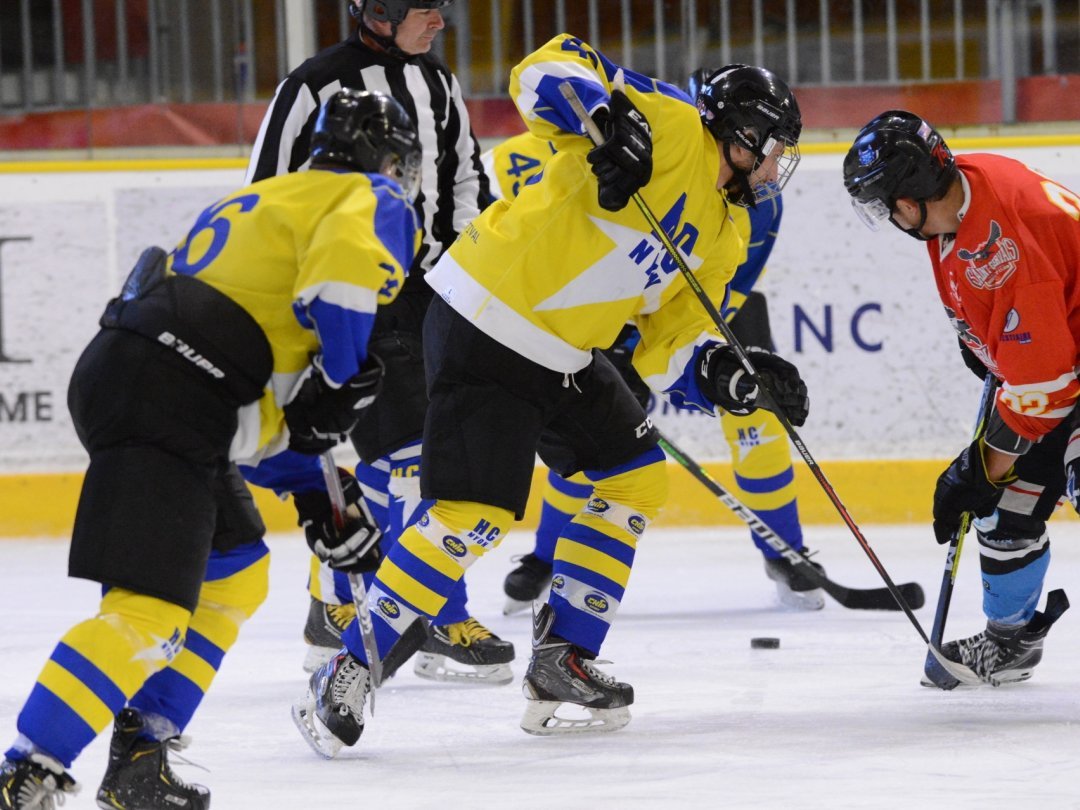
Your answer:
<point x="341" y="615"/>
<point x="981" y="653"/>
<point x="345" y="679"/>
<point x="47" y="791"/>
<point x="176" y="745"/>
<point x="468" y="632"/>
<point x="597" y="674"/>
<point x="40" y="794"/>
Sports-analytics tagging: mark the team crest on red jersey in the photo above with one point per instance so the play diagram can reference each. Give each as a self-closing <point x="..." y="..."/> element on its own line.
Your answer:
<point x="992" y="262"/>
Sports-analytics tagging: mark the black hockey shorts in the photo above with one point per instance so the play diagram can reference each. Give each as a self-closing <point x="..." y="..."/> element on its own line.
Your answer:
<point x="751" y="323"/>
<point x="492" y="410"/>
<point x="159" y="492"/>
<point x="1024" y="508"/>
<point x="396" y="417"/>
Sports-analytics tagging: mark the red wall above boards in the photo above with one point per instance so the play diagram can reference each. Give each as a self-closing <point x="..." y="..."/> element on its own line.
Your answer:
<point x="951" y="104"/>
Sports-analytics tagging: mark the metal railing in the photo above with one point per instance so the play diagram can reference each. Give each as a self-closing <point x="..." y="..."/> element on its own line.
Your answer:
<point x="78" y="54"/>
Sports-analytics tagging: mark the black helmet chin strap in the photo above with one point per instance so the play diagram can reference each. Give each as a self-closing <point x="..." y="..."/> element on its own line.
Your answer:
<point x="387" y="44"/>
<point x="914" y="233"/>
<point x="744" y="192"/>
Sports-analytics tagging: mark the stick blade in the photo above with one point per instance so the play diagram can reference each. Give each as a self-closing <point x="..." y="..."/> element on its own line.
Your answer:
<point x="934" y="674"/>
<point x="876" y="598"/>
<point x="945" y="670"/>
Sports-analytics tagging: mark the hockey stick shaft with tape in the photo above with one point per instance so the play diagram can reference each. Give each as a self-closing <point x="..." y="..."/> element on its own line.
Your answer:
<point x="356" y="581"/>
<point x="932" y="669"/>
<point x="854" y="598"/>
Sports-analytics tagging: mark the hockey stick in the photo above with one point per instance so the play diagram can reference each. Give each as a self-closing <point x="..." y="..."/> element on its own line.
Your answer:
<point x="931" y="668"/>
<point x="853" y="598"/>
<point x="962" y="673"/>
<point x="356" y="582"/>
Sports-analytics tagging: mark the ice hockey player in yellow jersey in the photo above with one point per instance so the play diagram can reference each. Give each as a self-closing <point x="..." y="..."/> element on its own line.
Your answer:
<point x="245" y="348"/>
<point x="526" y="297"/>
<point x="761" y="455"/>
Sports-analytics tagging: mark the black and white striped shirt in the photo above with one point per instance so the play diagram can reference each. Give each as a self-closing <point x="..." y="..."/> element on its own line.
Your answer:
<point x="454" y="187"/>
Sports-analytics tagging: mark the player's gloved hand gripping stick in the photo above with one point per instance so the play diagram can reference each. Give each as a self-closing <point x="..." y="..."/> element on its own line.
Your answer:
<point x="960" y="672"/>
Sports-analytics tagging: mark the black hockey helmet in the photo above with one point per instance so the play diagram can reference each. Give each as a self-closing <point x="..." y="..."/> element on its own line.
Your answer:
<point x="754" y="108"/>
<point x="369" y="132"/>
<point x="393" y="11"/>
<point x="897" y="154"/>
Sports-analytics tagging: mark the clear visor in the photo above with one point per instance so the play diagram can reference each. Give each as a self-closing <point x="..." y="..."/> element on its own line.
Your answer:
<point x="771" y="172"/>
<point x="405" y="171"/>
<point x="871" y="212"/>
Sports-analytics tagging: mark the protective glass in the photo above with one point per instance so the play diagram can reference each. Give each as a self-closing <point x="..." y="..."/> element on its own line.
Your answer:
<point x="871" y="212"/>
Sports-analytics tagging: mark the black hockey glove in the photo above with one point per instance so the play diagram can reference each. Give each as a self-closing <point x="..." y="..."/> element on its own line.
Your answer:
<point x="622" y="356"/>
<point x="319" y="417"/>
<point x="623" y="164"/>
<point x="356" y="547"/>
<point x="964" y="487"/>
<point x="723" y="379"/>
<point x="972" y="362"/>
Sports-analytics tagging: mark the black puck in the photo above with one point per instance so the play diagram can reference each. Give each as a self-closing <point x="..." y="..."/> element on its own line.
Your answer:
<point x="764" y="643"/>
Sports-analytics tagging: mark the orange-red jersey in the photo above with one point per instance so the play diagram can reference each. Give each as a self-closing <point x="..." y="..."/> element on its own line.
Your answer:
<point x="1010" y="283"/>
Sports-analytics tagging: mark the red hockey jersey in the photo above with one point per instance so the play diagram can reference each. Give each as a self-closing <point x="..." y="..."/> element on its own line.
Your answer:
<point x="1010" y="283"/>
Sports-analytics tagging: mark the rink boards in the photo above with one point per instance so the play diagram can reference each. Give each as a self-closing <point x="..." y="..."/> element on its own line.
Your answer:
<point x="891" y="401"/>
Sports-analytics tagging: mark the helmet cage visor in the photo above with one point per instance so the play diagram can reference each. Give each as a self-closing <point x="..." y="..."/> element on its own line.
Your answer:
<point x="404" y="169"/>
<point x="774" y="162"/>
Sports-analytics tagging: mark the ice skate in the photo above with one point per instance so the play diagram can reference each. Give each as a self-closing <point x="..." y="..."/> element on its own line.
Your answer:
<point x="139" y="776"/>
<point x="526" y="584"/>
<point x="794" y="589"/>
<point x="466" y="652"/>
<point x="322" y="632"/>
<point x="1004" y="653"/>
<point x="331" y="715"/>
<point x="38" y="782"/>
<point x="564" y="691"/>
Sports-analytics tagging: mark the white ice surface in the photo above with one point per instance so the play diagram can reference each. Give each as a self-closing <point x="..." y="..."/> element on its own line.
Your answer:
<point x="835" y="718"/>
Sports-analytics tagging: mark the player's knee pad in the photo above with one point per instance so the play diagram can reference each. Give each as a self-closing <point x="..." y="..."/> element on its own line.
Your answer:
<point x="641" y="484"/>
<point x="131" y="629"/>
<point x="759" y="447"/>
<point x="1009" y="542"/>
<point x="430" y="558"/>
<point x="640" y="488"/>
<point x="457" y="533"/>
<point x="237" y="583"/>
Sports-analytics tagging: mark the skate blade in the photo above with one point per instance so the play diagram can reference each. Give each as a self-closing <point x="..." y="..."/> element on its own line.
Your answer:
<point x="924" y="681"/>
<point x="440" y="668"/>
<point x="548" y="718"/>
<point x="1001" y="679"/>
<point x="317" y="735"/>
<point x="1009" y="676"/>
<point x="800" y="600"/>
<point x="317" y="656"/>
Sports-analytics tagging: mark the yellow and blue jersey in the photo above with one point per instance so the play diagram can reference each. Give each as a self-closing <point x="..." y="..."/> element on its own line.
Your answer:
<point x="515" y="162"/>
<point x="521" y="158"/>
<point x="310" y="256"/>
<point x="553" y="275"/>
